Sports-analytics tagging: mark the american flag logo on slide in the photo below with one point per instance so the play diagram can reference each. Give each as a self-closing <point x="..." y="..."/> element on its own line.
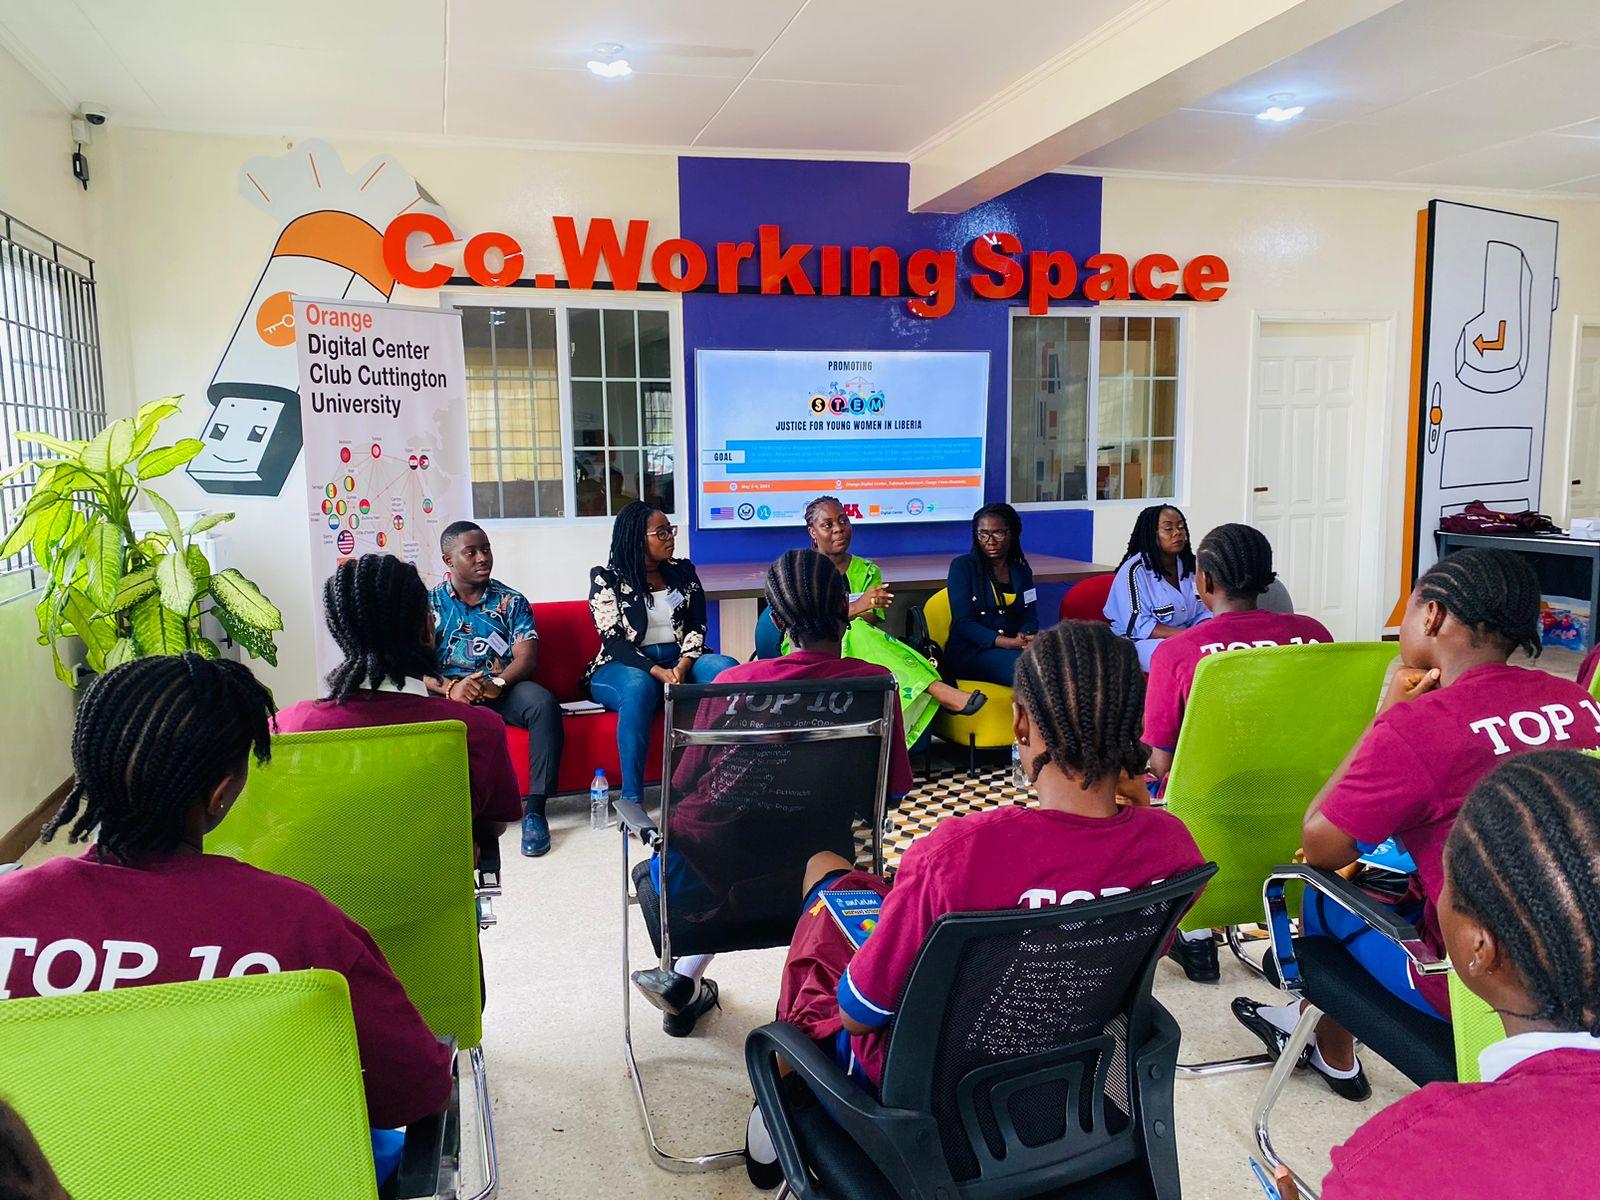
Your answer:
<point x="722" y="514"/>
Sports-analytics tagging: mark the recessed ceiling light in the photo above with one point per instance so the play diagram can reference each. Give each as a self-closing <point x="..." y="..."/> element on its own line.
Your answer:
<point x="608" y="65"/>
<point x="1281" y="108"/>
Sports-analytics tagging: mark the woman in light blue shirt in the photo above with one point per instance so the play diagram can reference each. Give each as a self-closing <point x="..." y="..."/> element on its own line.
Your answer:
<point x="1153" y="596"/>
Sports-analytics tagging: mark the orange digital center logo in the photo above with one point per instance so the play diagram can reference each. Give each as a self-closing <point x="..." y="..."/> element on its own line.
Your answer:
<point x="275" y="320"/>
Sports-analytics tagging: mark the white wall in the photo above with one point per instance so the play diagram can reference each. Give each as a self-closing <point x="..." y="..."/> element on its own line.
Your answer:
<point x="193" y="247"/>
<point x="1316" y="252"/>
<point x="36" y="186"/>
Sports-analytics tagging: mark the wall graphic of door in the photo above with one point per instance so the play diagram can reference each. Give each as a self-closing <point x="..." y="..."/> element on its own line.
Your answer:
<point x="1306" y="414"/>
<point x="1583" y="459"/>
<point x="1490" y="292"/>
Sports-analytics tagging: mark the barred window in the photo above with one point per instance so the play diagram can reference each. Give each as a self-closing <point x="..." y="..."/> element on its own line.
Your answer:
<point x="50" y="376"/>
<point x="570" y="408"/>
<point x="1094" y="407"/>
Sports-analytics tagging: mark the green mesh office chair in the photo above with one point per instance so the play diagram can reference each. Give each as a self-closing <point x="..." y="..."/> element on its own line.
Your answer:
<point x="379" y="821"/>
<point x="231" y="1087"/>
<point x="1475" y="1027"/>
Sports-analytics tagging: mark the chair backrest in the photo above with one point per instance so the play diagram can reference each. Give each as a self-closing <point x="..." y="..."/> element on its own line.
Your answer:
<point x="1020" y="1031"/>
<point x="762" y="777"/>
<point x="1086" y="599"/>
<point x="1276" y="598"/>
<point x="1263" y="730"/>
<point x="568" y="642"/>
<point x="379" y="821"/>
<point x="1475" y="1027"/>
<point x="936" y="612"/>
<point x="230" y="1087"/>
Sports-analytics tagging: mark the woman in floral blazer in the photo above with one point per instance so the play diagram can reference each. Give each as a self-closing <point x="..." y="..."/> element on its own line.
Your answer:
<point x="650" y="611"/>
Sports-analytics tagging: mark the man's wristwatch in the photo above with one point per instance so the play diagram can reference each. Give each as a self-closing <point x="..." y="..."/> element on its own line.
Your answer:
<point x="498" y="682"/>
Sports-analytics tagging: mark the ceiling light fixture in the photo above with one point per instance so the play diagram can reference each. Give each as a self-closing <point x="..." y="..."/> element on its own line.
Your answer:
<point x="608" y="65"/>
<point x="1281" y="109"/>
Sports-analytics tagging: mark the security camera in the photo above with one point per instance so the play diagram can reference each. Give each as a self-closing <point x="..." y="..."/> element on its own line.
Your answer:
<point x="95" y="114"/>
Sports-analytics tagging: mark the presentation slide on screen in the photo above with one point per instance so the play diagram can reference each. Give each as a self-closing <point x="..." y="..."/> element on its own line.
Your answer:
<point x="895" y="435"/>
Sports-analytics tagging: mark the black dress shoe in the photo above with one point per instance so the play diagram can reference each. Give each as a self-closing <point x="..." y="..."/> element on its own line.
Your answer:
<point x="1197" y="958"/>
<point x="667" y="990"/>
<point x="763" y="1175"/>
<point x="681" y="1024"/>
<point x="1355" y="1087"/>
<point x="1248" y="1012"/>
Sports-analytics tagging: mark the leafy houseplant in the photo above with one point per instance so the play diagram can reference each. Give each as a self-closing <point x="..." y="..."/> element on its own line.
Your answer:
<point x="127" y="595"/>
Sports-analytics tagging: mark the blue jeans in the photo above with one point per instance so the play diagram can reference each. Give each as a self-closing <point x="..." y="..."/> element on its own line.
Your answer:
<point x="635" y="695"/>
<point x="1384" y="960"/>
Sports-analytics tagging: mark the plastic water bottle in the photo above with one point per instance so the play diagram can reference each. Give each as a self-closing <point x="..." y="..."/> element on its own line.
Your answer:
<point x="599" y="800"/>
<point x="1019" y="778"/>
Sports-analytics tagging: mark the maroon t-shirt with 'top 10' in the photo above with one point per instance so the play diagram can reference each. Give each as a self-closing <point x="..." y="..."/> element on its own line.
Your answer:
<point x="78" y="925"/>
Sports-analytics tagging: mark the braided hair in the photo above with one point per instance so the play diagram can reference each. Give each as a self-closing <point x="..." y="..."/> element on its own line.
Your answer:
<point x="153" y="738"/>
<point x="1084" y="693"/>
<point x="1239" y="558"/>
<point x="377" y="608"/>
<point x="806" y="594"/>
<point x="1013" y="522"/>
<point x="811" y="509"/>
<point x="1493" y="593"/>
<point x="1524" y="859"/>
<point x="1145" y="541"/>
<point x="627" y="549"/>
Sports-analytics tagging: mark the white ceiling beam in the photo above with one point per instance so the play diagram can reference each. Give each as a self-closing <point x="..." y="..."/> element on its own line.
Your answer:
<point x="1159" y="56"/>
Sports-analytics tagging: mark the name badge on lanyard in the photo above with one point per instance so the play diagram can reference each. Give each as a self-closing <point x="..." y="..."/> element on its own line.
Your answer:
<point x="497" y="644"/>
<point x="1031" y="596"/>
<point x="674" y="598"/>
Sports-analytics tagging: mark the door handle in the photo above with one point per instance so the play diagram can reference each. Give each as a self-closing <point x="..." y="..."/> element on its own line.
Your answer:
<point x="1260" y="489"/>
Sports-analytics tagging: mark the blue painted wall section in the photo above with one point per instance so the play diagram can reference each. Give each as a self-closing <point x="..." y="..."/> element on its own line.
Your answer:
<point x="856" y="203"/>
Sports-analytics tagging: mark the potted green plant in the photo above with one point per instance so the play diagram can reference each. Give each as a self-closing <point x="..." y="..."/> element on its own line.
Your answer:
<point x="123" y="594"/>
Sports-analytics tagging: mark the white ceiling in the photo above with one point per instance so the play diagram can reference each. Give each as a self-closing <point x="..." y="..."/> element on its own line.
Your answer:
<point x="1468" y="93"/>
<point x="841" y="76"/>
<point x="1472" y="93"/>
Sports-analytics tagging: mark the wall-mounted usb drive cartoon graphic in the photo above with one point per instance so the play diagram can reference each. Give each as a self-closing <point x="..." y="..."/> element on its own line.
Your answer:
<point x="1492" y="351"/>
<point x="330" y="244"/>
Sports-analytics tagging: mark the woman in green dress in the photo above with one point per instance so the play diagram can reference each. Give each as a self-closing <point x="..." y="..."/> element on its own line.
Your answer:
<point x="922" y="692"/>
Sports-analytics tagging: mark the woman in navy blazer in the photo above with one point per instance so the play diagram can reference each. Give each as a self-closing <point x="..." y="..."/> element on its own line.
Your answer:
<point x="994" y="607"/>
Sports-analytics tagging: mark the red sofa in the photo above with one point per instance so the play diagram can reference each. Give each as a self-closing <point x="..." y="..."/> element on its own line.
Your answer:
<point x="567" y="644"/>
<point x="1086" y="599"/>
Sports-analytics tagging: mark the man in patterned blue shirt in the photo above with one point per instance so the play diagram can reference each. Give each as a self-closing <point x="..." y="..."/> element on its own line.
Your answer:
<point x="487" y="647"/>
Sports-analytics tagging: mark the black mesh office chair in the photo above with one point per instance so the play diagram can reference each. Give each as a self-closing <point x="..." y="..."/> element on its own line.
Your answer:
<point x="758" y="778"/>
<point x="1028" y="1058"/>
<point x="1322" y="972"/>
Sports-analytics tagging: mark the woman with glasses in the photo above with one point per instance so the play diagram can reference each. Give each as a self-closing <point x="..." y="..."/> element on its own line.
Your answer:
<point x="650" y="611"/>
<point x="994" y="607"/>
<point x="921" y="689"/>
<point x="1153" y="596"/>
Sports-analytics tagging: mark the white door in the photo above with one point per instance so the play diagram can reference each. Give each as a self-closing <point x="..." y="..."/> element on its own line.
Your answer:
<point x="1306" y="435"/>
<point x="1583" y="459"/>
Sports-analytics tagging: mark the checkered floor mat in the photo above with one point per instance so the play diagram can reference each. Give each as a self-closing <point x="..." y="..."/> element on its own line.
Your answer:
<point x="945" y="793"/>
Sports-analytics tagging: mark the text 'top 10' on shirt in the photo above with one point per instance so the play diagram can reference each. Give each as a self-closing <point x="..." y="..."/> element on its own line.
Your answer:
<point x="75" y="925"/>
<point x="1413" y="769"/>
<point x="998" y="859"/>
<point x="1176" y="659"/>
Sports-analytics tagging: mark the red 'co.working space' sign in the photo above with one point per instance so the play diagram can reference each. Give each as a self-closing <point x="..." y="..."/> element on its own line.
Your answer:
<point x="998" y="269"/>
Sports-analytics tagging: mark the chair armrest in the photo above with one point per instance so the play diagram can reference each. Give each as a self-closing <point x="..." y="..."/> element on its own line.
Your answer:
<point x="422" y="1156"/>
<point x="6" y="868"/>
<point x="636" y="821"/>
<point x="1344" y="893"/>
<point x="903" y="1144"/>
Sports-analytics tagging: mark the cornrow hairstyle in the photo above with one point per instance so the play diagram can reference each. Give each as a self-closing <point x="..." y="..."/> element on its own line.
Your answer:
<point x="1013" y="524"/>
<point x="1239" y="558"/>
<point x="377" y="607"/>
<point x="1493" y="592"/>
<point x="153" y="738"/>
<point x="454" y="530"/>
<point x="1524" y="859"/>
<point x="1145" y="541"/>
<point x="807" y="596"/>
<point x="811" y="509"/>
<point x="1084" y="693"/>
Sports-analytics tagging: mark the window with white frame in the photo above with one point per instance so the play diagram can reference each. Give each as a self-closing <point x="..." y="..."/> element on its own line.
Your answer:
<point x="1094" y="407"/>
<point x="570" y="409"/>
<point x="50" y="378"/>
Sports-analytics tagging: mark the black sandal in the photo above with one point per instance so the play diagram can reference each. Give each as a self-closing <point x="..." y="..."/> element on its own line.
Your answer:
<point x="974" y="702"/>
